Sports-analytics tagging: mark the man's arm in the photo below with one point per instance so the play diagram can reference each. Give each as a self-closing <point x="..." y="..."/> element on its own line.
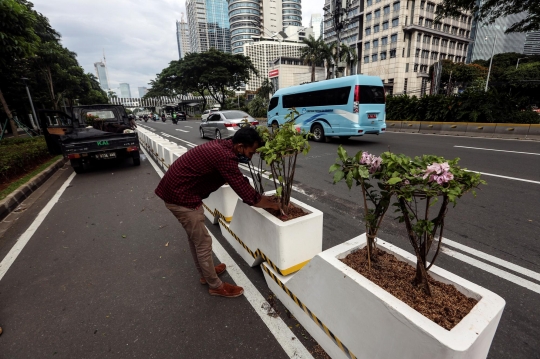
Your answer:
<point x="267" y="202"/>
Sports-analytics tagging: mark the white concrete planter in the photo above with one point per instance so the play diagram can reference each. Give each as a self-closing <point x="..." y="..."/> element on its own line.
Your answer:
<point x="220" y="204"/>
<point x="369" y="322"/>
<point x="287" y="246"/>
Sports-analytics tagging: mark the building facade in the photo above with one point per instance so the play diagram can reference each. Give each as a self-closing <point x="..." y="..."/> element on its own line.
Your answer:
<point x="182" y="38"/>
<point x="208" y="24"/>
<point x="316" y="23"/>
<point x="532" y="43"/>
<point x="483" y="36"/>
<point x="142" y="91"/>
<point x="288" y="71"/>
<point x="263" y="52"/>
<point x="398" y="40"/>
<point x="101" y="73"/>
<point x="125" y="91"/>
<point x="252" y="18"/>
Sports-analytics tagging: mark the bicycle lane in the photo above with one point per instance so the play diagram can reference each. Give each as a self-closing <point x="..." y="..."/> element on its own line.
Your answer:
<point x="108" y="273"/>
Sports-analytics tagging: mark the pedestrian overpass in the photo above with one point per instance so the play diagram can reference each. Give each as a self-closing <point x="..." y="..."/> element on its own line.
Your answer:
<point x="188" y="103"/>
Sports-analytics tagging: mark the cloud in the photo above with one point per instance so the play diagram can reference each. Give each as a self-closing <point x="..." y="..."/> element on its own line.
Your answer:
<point x="138" y="36"/>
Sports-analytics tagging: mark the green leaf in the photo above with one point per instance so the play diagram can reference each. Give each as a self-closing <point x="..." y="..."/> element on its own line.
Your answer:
<point x="394" y="180"/>
<point x="342" y="153"/>
<point x="338" y="176"/>
<point x="279" y="191"/>
<point x="349" y="179"/>
<point x="334" y="167"/>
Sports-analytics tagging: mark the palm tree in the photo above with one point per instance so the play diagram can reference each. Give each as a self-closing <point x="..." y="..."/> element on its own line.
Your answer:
<point x="349" y="55"/>
<point x="327" y="51"/>
<point x="311" y="54"/>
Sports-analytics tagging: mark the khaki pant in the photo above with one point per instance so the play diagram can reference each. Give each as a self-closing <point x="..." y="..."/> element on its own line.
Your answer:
<point x="199" y="240"/>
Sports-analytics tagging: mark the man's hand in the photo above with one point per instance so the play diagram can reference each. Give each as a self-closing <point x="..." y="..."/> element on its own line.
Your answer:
<point x="268" y="202"/>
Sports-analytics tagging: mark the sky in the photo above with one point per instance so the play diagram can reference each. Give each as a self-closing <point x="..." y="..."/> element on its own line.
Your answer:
<point x="138" y="36"/>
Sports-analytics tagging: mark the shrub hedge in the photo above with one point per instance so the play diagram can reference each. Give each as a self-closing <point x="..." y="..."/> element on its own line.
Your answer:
<point x="471" y="106"/>
<point x="20" y="155"/>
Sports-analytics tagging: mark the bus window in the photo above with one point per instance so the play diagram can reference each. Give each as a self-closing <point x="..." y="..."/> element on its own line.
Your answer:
<point x="329" y="97"/>
<point x="371" y="94"/>
<point x="273" y="103"/>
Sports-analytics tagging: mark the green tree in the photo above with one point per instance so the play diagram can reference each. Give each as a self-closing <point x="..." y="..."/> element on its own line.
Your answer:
<point x="327" y="53"/>
<point x="311" y="54"/>
<point x="17" y="40"/>
<point x="490" y="10"/>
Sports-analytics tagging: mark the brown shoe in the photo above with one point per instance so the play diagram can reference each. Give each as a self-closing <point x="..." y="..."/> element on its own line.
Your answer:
<point x="227" y="290"/>
<point x="220" y="269"/>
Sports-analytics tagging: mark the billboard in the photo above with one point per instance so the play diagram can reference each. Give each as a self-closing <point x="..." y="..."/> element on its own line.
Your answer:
<point x="273" y="73"/>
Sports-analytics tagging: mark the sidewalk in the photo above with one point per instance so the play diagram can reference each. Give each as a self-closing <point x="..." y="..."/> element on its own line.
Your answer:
<point x="109" y="274"/>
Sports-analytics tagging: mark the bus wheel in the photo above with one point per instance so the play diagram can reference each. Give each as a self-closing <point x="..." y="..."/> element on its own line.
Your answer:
<point x="275" y="126"/>
<point x="318" y="133"/>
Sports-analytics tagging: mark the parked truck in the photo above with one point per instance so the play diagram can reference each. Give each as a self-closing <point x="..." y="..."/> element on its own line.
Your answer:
<point x="90" y="134"/>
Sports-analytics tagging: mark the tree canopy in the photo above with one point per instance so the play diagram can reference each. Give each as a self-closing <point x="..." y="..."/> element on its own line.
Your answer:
<point x="487" y="11"/>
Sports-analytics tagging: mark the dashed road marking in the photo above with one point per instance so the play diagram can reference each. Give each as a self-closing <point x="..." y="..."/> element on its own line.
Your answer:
<point x="491" y="149"/>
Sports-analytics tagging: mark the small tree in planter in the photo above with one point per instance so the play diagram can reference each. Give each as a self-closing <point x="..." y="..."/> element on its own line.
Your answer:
<point x="418" y="185"/>
<point x="280" y="151"/>
<point x="362" y="168"/>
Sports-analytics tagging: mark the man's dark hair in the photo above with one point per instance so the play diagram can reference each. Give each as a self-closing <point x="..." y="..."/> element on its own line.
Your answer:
<point x="247" y="136"/>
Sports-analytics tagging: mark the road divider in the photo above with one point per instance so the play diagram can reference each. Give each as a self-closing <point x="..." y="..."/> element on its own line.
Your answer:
<point x="471" y="129"/>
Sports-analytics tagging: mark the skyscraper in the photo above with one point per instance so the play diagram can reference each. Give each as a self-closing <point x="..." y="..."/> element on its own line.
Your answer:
<point x="182" y="37"/>
<point x="125" y="92"/>
<point x="208" y="25"/>
<point x="316" y="23"/>
<point x="483" y="36"/>
<point x="250" y="18"/>
<point x="142" y="91"/>
<point x="532" y="43"/>
<point x="101" y="73"/>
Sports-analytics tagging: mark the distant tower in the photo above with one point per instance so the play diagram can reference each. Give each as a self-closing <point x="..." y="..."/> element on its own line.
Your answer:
<point x="102" y="73"/>
<point x="125" y="91"/>
<point x="182" y="37"/>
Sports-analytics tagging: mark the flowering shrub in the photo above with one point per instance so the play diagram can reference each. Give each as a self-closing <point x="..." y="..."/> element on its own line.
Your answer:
<point x="418" y="185"/>
<point x="358" y="169"/>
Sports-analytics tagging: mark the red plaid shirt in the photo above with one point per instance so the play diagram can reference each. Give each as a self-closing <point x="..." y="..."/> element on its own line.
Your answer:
<point x="201" y="171"/>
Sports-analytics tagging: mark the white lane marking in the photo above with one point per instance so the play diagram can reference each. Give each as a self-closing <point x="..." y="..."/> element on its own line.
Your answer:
<point x="188" y="126"/>
<point x="506" y="177"/>
<point x="456" y="136"/>
<point x="181" y="130"/>
<point x="285" y="337"/>
<point x="492" y="259"/>
<point x="9" y="259"/>
<point x="156" y="167"/>
<point x="179" y="139"/>
<point x="491" y="149"/>
<point x="493" y="270"/>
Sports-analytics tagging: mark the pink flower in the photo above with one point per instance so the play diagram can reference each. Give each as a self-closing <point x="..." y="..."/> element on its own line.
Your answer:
<point x="439" y="172"/>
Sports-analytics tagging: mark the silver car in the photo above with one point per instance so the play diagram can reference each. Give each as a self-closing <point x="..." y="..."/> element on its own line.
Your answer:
<point x="223" y="124"/>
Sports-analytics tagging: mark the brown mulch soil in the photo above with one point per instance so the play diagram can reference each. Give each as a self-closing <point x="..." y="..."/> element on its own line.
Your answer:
<point x="293" y="212"/>
<point x="446" y="307"/>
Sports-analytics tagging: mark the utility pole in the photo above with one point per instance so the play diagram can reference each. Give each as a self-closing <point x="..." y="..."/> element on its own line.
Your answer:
<point x="490" y="62"/>
<point x="521" y="58"/>
<point x="31" y="103"/>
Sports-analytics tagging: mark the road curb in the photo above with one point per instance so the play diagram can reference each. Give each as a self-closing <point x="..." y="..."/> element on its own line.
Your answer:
<point x="13" y="200"/>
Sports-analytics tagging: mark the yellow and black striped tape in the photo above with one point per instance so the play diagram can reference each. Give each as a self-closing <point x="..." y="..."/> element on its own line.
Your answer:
<point x="258" y="253"/>
<point x="311" y="315"/>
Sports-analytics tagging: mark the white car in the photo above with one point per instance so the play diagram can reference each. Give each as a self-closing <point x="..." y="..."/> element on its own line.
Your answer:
<point x="207" y="113"/>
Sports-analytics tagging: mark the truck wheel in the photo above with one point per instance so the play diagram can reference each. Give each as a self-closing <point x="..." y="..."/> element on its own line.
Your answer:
<point x="78" y="166"/>
<point x="318" y="133"/>
<point x="137" y="160"/>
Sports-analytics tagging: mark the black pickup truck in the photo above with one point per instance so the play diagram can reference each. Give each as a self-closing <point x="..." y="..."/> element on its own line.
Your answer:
<point x="91" y="133"/>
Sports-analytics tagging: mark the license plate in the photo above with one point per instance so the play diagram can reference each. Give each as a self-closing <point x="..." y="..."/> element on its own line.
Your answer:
<point x="371" y="115"/>
<point x="106" y="155"/>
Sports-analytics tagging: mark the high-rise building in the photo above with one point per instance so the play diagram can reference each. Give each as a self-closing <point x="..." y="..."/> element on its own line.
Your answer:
<point x="263" y="51"/>
<point x="142" y="91"/>
<point x="208" y="25"/>
<point x="182" y="38"/>
<point x="101" y="73"/>
<point x="316" y="23"/>
<point x="399" y="40"/>
<point x="125" y="91"/>
<point x="251" y="18"/>
<point x="483" y="36"/>
<point x="532" y="43"/>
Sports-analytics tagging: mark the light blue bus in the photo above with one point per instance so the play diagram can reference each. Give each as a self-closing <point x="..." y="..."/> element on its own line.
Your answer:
<point x="344" y="107"/>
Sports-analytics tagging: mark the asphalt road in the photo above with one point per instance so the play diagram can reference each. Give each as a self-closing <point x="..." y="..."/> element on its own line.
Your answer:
<point x="98" y="280"/>
<point x="493" y="239"/>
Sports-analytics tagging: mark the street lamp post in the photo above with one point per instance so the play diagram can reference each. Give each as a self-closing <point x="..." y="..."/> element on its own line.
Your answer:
<point x="31" y="103"/>
<point x="521" y="58"/>
<point x="490" y="62"/>
<point x="340" y="22"/>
